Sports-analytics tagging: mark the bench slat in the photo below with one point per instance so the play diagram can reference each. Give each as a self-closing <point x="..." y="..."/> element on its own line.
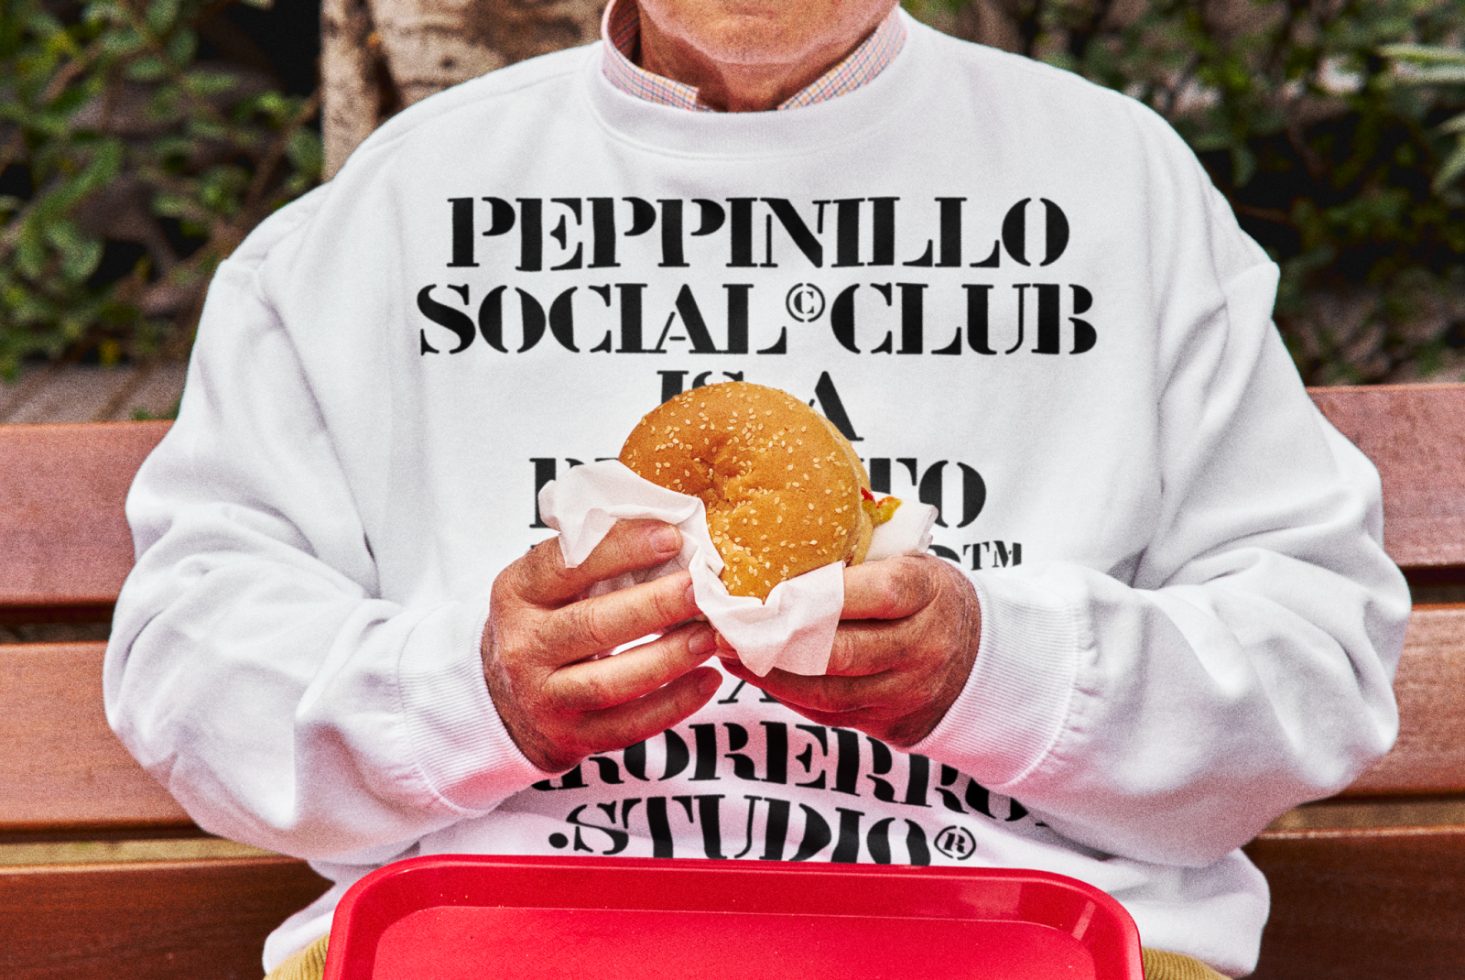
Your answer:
<point x="63" y="536"/>
<point x="66" y="543"/>
<point x="1415" y="434"/>
<point x="1429" y="757"/>
<point x="1363" y="904"/>
<point x="1348" y="903"/>
<point x="61" y="768"/>
<point x="175" y="920"/>
<point x="1392" y="893"/>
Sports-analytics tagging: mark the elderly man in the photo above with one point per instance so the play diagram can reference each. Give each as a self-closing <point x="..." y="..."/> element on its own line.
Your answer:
<point x="1156" y="613"/>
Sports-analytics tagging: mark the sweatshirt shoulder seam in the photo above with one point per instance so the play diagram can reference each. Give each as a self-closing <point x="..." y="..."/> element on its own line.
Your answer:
<point x="978" y="54"/>
<point x="472" y="93"/>
<point x="294" y="217"/>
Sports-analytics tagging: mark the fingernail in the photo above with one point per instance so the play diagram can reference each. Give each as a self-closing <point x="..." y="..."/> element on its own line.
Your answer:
<point x="691" y="594"/>
<point x="666" y="540"/>
<point x="701" y="642"/>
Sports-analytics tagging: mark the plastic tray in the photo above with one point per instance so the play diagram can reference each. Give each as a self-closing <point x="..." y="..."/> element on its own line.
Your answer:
<point x="459" y="917"/>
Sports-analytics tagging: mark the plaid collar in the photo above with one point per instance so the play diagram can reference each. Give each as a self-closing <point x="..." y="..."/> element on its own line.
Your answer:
<point x="620" y="29"/>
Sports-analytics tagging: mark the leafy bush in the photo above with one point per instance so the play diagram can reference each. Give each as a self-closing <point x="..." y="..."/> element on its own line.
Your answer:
<point x="130" y="163"/>
<point x="1333" y="126"/>
<point x="129" y="166"/>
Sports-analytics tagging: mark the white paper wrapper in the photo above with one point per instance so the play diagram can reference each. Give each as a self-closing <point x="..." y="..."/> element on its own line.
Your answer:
<point x="793" y="630"/>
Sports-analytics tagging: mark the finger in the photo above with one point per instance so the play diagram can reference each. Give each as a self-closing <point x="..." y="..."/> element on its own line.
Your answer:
<point x="837" y="719"/>
<point x="598" y="684"/>
<point x="861" y="648"/>
<point x="859" y="719"/>
<point x="629" y="546"/>
<point x="868" y="721"/>
<point x="893" y="588"/>
<point x="648" y="716"/>
<point x="602" y="622"/>
<point x="865" y="647"/>
<point x="821" y="693"/>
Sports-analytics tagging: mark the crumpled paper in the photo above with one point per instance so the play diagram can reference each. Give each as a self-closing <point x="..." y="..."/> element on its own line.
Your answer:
<point x="793" y="630"/>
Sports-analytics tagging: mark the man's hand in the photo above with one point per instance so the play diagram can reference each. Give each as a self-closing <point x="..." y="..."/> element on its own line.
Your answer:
<point x="906" y="643"/>
<point x="559" y="699"/>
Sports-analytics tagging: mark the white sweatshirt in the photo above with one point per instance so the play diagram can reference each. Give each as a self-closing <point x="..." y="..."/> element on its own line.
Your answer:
<point x="1019" y="295"/>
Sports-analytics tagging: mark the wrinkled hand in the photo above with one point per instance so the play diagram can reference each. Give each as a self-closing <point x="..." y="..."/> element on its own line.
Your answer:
<point x="906" y="642"/>
<point x="559" y="699"/>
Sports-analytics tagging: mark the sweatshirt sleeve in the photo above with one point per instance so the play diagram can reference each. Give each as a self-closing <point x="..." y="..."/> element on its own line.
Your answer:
<point x="253" y="668"/>
<point x="1248" y="665"/>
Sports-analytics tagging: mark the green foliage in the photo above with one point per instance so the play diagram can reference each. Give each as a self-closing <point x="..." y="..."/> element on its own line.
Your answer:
<point x="129" y="166"/>
<point x="1437" y="66"/>
<point x="1335" y="127"/>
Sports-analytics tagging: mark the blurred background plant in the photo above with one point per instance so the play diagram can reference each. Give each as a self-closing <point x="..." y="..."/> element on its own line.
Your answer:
<point x="140" y="139"/>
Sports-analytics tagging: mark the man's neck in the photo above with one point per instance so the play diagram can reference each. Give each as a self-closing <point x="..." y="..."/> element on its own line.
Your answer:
<point x="751" y="86"/>
<point x="722" y="86"/>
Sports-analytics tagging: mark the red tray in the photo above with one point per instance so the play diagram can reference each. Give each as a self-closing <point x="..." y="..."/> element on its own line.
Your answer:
<point x="452" y="918"/>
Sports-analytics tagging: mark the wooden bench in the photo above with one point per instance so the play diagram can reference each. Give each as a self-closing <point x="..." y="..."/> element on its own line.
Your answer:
<point x="101" y="875"/>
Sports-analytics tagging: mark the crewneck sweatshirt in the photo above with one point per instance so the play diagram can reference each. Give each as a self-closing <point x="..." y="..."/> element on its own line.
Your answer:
<point x="1018" y="295"/>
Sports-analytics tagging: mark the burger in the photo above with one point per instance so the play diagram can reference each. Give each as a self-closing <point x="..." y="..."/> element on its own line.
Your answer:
<point x="784" y="491"/>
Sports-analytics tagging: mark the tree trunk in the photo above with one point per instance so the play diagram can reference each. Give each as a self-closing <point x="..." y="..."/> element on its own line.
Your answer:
<point x="378" y="56"/>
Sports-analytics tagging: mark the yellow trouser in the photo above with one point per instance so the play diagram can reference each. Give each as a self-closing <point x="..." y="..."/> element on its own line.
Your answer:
<point x="310" y="964"/>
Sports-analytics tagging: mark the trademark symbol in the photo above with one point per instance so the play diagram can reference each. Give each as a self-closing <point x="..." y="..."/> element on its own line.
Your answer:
<point x="956" y="842"/>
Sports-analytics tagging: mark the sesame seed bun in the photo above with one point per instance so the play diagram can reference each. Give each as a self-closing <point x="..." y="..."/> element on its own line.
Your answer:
<point x="782" y="486"/>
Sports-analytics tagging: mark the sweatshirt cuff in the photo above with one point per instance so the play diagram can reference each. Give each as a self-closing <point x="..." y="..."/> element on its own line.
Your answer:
<point x="465" y="754"/>
<point x="1011" y="710"/>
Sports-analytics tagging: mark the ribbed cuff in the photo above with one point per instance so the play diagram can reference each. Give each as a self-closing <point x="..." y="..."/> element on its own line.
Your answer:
<point x="1017" y="696"/>
<point x="463" y="750"/>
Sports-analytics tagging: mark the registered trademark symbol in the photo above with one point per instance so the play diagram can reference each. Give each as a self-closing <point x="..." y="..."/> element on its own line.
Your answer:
<point x="956" y="842"/>
<point x="805" y="302"/>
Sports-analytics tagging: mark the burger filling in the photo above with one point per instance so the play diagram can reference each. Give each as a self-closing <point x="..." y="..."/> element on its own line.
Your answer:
<point x="880" y="509"/>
